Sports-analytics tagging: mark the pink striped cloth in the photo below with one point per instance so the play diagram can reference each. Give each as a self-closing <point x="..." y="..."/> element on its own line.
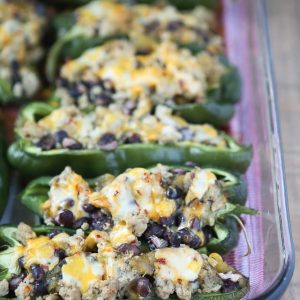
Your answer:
<point x="237" y="30"/>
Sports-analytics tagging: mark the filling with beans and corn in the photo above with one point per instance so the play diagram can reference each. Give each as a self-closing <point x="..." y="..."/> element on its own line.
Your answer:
<point x="107" y="128"/>
<point x="163" y="206"/>
<point x="117" y="72"/>
<point x="21" y="28"/>
<point x="89" y="266"/>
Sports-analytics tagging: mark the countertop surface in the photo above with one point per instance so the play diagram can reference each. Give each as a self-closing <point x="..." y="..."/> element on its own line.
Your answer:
<point x="284" y="30"/>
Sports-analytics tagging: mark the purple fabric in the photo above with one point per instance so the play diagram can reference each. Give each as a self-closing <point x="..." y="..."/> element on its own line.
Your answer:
<point x="237" y="30"/>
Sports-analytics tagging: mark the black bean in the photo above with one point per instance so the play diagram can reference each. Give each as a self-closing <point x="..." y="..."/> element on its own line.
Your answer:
<point x="196" y="223"/>
<point x="154" y="229"/>
<point x="103" y="99"/>
<point x="21" y="261"/>
<point x="89" y="208"/>
<point x="229" y="286"/>
<point x="60" y="253"/>
<point x="102" y="223"/>
<point x="37" y="272"/>
<point x="208" y="233"/>
<point x="46" y="142"/>
<point x="15" y="281"/>
<point x="74" y="92"/>
<point x="179" y="219"/>
<point x="40" y="288"/>
<point x="173" y="192"/>
<point x="66" y="218"/>
<point x="60" y="135"/>
<point x="108" y="141"/>
<point x="69" y="202"/>
<point x="174" y="25"/>
<point x="175" y="240"/>
<point x="108" y="85"/>
<point x="143" y="286"/>
<point x="71" y="144"/>
<point x="53" y="233"/>
<point x="134" y="138"/>
<point x="189" y="238"/>
<point x="167" y="221"/>
<point x="78" y="223"/>
<point x="129" y="248"/>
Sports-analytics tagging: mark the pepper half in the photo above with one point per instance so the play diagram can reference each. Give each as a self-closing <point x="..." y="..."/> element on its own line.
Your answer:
<point x="31" y="160"/>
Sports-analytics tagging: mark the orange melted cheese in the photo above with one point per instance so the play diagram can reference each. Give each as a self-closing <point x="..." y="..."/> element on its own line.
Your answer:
<point x="83" y="270"/>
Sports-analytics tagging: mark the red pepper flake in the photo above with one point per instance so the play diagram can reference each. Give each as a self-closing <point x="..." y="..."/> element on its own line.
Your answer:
<point x="162" y="261"/>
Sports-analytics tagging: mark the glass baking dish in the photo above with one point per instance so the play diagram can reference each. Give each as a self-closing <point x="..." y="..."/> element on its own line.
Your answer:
<point x="271" y="263"/>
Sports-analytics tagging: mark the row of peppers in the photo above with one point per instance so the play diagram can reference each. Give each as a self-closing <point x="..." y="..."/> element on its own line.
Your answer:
<point x="227" y="163"/>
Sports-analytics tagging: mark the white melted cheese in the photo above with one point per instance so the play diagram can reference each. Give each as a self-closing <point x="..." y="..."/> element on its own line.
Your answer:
<point x="201" y="182"/>
<point x="178" y="264"/>
<point x="133" y="192"/>
<point x="67" y="191"/>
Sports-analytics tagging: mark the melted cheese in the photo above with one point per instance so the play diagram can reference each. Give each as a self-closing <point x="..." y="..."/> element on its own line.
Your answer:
<point x="133" y="192"/>
<point x="168" y="71"/>
<point x="67" y="191"/>
<point x="40" y="251"/>
<point x="201" y="182"/>
<point x="180" y="265"/>
<point x="83" y="270"/>
<point x="121" y="234"/>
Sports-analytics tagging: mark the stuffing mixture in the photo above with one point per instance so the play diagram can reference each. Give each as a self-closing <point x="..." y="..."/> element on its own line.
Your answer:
<point x="116" y="73"/>
<point x="106" y="128"/>
<point x="89" y="266"/>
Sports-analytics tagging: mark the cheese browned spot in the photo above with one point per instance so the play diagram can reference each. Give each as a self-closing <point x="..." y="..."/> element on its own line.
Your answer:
<point x="178" y="265"/>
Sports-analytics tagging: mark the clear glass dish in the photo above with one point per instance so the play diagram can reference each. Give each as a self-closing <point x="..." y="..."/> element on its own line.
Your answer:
<point x="271" y="263"/>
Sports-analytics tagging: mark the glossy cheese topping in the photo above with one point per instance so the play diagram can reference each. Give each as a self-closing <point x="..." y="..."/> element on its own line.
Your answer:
<point x="67" y="191"/>
<point x="40" y="251"/>
<point x="165" y="73"/>
<point x="121" y="234"/>
<point x="87" y="128"/>
<point x="133" y="192"/>
<point x="82" y="269"/>
<point x="180" y="265"/>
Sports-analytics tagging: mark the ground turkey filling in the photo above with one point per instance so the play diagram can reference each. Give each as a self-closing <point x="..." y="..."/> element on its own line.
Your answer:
<point x="162" y="207"/>
<point x="117" y="73"/>
<point x="106" y="129"/>
<point x="88" y="266"/>
<point x="21" y="29"/>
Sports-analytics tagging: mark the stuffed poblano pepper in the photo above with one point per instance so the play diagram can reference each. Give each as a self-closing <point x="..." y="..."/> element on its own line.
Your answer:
<point x="36" y="263"/>
<point x="115" y="75"/>
<point x="21" y="28"/>
<point x="4" y="173"/>
<point x="107" y="140"/>
<point x="163" y="206"/>
<point x="147" y="27"/>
